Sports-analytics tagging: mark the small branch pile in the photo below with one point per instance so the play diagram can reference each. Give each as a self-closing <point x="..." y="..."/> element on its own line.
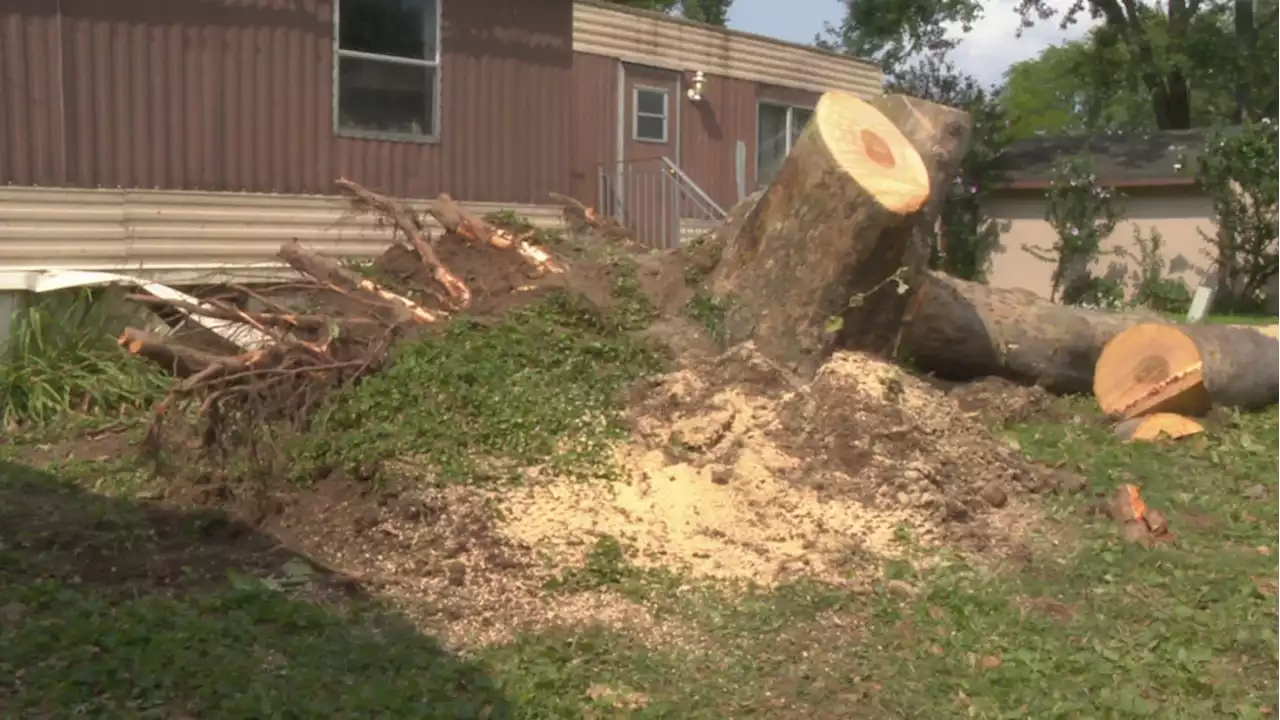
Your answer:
<point x="244" y="396"/>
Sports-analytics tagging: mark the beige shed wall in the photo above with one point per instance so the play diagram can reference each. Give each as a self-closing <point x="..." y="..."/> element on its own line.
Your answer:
<point x="1179" y="214"/>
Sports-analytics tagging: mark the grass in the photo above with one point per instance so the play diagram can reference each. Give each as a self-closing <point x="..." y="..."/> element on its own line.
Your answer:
<point x="63" y="363"/>
<point x="113" y="607"/>
<point x="1092" y="628"/>
<point x="541" y="386"/>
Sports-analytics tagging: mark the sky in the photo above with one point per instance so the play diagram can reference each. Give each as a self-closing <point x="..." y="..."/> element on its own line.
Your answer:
<point x="986" y="51"/>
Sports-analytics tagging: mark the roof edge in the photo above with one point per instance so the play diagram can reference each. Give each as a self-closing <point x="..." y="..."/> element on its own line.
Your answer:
<point x="676" y="20"/>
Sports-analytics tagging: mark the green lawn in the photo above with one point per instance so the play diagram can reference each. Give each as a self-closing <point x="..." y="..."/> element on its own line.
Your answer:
<point x="110" y="607"/>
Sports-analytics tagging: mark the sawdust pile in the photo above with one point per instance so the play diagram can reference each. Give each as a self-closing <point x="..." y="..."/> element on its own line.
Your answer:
<point x="739" y="470"/>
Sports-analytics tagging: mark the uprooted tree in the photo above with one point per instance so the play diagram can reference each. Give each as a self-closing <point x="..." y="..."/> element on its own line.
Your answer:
<point x="275" y="382"/>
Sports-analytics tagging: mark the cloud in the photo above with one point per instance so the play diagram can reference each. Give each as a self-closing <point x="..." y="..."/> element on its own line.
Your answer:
<point x="993" y="44"/>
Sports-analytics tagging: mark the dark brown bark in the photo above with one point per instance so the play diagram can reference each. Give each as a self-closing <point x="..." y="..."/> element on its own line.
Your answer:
<point x="175" y="359"/>
<point x="1241" y="365"/>
<point x="416" y="233"/>
<point x="941" y="135"/>
<point x="961" y="330"/>
<point x="819" y="238"/>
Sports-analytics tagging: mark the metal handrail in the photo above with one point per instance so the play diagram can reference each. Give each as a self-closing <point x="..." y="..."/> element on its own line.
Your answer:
<point x="698" y="192"/>
<point x="656" y="199"/>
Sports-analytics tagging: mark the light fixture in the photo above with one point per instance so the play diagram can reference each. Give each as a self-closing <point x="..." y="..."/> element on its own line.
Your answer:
<point x="699" y="82"/>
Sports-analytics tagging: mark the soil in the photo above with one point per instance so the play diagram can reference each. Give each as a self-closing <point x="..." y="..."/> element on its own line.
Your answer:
<point x="739" y="470"/>
<point x="736" y="470"/>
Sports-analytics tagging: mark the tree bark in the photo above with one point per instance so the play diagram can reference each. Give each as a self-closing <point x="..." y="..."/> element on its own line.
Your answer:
<point x="961" y="330"/>
<point x="1186" y="369"/>
<point x="176" y="359"/>
<point x="827" y="240"/>
<point x="941" y="135"/>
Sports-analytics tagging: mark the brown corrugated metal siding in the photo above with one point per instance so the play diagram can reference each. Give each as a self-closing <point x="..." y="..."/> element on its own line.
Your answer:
<point x="710" y="130"/>
<point x="595" y="121"/>
<point x="237" y="95"/>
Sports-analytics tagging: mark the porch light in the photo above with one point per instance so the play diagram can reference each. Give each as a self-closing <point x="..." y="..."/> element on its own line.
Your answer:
<point x="699" y="82"/>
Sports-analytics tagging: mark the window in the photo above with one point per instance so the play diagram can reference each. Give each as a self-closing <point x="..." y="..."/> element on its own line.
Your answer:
<point x="388" y="79"/>
<point x="777" y="129"/>
<point x="651" y="105"/>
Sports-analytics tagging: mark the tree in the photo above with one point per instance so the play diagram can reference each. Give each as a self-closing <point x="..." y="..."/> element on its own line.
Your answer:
<point x="1074" y="88"/>
<point x="711" y="12"/>
<point x="1165" y="44"/>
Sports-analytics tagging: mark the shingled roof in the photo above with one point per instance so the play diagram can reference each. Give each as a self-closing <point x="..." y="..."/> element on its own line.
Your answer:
<point x="1121" y="160"/>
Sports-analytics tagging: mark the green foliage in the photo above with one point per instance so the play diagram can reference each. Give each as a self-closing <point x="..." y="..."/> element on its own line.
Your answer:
<point x="631" y="309"/>
<point x="518" y="224"/>
<point x="1076" y="88"/>
<point x="607" y="565"/>
<point x="709" y="312"/>
<point x="1177" y="63"/>
<point x="712" y="12"/>
<point x="1154" y="289"/>
<point x="1238" y="170"/>
<point x="1084" y="214"/>
<point x="63" y="359"/>
<point x="480" y="402"/>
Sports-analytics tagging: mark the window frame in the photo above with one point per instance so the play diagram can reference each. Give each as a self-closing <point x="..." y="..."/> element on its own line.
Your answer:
<point x="636" y="114"/>
<point x="432" y="63"/>
<point x="790" y="109"/>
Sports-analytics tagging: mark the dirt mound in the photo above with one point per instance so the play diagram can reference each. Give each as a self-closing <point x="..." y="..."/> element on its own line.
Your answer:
<point x="498" y="280"/>
<point x="998" y="402"/>
<point x="740" y="470"/>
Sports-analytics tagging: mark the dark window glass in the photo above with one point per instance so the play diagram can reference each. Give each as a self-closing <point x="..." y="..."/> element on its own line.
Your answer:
<point x="401" y="28"/>
<point x="389" y="97"/>
<point x="651" y="102"/>
<point x="649" y="127"/>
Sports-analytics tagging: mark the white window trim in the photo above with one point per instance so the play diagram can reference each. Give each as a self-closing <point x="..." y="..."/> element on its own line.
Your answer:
<point x="790" y="109"/>
<point x="434" y="63"/>
<point x="636" y="114"/>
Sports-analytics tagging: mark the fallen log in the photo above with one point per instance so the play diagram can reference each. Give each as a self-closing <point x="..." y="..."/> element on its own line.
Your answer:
<point x="342" y="280"/>
<point x="454" y="219"/>
<point x="1150" y="428"/>
<point x="961" y="330"/>
<point x="175" y="359"/>
<point x="1186" y="369"/>
<point x="1271" y="331"/>
<point x="941" y="135"/>
<point x="827" y="240"/>
<point x="284" y="320"/>
<point x="415" y="232"/>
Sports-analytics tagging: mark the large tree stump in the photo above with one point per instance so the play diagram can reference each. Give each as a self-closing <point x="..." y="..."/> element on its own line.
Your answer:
<point x="960" y="330"/>
<point x="1186" y="369"/>
<point x="941" y="135"/>
<point x="827" y="240"/>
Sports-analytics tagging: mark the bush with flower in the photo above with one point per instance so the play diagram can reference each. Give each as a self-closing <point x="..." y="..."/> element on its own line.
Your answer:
<point x="1084" y="214"/>
<point x="1238" y="170"/>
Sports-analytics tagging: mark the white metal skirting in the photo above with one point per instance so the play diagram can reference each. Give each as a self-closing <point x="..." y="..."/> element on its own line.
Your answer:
<point x="179" y="237"/>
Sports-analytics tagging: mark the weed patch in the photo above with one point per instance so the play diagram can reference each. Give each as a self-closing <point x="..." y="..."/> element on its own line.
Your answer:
<point x="540" y="387"/>
<point x="708" y="311"/>
<point x="63" y="360"/>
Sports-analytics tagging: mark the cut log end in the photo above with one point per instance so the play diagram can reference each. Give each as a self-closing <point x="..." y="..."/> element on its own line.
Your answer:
<point x="1150" y="368"/>
<point x="861" y="140"/>
<point x="1151" y="428"/>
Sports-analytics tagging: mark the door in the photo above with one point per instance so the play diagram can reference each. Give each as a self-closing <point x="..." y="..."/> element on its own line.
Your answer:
<point x="649" y="128"/>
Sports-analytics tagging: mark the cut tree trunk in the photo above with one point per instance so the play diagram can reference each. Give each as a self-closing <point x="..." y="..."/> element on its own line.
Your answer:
<point x="827" y="240"/>
<point x="941" y="135"/>
<point x="1151" y="428"/>
<point x="1186" y="369"/>
<point x="961" y="330"/>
